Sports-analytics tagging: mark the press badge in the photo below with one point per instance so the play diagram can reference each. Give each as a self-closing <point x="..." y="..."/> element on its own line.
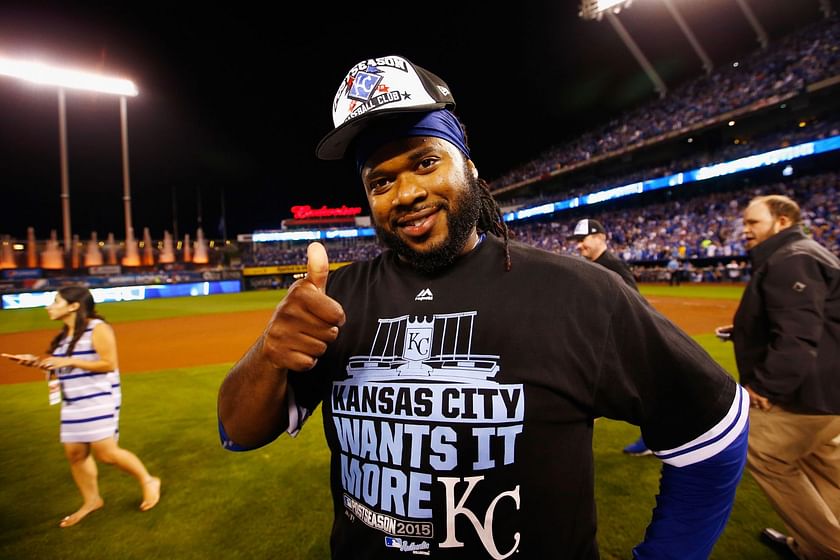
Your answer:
<point x="54" y="387"/>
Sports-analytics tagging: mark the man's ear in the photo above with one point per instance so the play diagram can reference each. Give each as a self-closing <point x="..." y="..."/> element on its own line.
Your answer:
<point x="784" y="222"/>
<point x="473" y="169"/>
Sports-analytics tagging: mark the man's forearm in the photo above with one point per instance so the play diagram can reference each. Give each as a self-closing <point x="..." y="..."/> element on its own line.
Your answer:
<point x="252" y="400"/>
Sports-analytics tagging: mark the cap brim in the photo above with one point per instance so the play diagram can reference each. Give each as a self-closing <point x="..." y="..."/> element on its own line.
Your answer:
<point x="334" y="145"/>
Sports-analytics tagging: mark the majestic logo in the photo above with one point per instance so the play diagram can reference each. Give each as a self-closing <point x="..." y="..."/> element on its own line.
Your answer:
<point x="424" y="295"/>
<point x="799" y="287"/>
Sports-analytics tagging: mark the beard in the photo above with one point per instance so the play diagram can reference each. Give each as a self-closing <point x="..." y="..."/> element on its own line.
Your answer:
<point x="462" y="215"/>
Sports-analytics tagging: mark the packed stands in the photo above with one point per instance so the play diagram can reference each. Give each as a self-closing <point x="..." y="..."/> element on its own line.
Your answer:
<point x="781" y="96"/>
<point x="806" y="59"/>
<point x="699" y="225"/>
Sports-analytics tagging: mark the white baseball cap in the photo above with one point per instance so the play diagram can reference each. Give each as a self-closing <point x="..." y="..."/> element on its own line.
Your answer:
<point x="375" y="88"/>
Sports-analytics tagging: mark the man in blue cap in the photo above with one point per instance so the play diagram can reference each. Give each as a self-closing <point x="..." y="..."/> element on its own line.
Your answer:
<point x="459" y="373"/>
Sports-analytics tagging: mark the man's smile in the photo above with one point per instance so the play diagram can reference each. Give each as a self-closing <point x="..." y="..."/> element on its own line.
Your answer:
<point x="419" y="222"/>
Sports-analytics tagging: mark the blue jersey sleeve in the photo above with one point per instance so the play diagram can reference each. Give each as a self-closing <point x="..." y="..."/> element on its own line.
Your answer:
<point x="297" y="418"/>
<point x="694" y="503"/>
<point x="228" y="443"/>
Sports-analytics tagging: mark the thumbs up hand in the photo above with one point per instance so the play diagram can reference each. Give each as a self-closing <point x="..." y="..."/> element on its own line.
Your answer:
<point x="307" y="319"/>
<point x="317" y="266"/>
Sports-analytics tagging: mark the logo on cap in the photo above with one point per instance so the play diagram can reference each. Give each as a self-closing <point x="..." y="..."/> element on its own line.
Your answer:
<point x="371" y="84"/>
<point x="364" y="84"/>
<point x="384" y="84"/>
<point x="587" y="227"/>
<point x="582" y="228"/>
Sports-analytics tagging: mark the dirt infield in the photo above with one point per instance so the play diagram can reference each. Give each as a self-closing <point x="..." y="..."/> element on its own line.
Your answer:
<point x="155" y="344"/>
<point x="696" y="316"/>
<point x="212" y="339"/>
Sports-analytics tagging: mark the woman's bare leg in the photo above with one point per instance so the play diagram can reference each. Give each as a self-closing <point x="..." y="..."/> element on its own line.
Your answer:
<point x="83" y="468"/>
<point x="107" y="451"/>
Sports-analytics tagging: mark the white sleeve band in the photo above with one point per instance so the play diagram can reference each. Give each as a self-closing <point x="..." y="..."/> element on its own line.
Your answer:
<point x="297" y="414"/>
<point x="715" y="439"/>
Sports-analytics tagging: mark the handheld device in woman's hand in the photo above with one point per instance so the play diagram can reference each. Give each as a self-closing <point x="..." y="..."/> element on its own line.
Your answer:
<point x="22" y="359"/>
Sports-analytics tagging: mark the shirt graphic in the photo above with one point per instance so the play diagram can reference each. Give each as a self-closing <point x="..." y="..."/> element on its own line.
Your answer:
<point x="420" y="421"/>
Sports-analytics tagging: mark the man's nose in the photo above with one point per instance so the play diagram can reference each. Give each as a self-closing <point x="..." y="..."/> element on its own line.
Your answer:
<point x="409" y="190"/>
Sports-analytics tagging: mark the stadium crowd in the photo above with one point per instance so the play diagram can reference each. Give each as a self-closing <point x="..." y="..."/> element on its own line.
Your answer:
<point x="294" y="253"/>
<point x="786" y="67"/>
<point x="800" y="132"/>
<point x="703" y="226"/>
<point x="697" y="231"/>
<point x="698" y="226"/>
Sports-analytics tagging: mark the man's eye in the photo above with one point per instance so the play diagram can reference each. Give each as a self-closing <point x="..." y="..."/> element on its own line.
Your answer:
<point x="378" y="186"/>
<point x="426" y="163"/>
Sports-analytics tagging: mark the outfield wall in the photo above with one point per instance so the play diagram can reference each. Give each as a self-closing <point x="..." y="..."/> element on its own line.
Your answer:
<point x="24" y="300"/>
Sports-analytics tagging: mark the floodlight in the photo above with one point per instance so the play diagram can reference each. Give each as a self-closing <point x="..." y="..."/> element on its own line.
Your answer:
<point x="40" y="73"/>
<point x="594" y="9"/>
<point x="66" y="78"/>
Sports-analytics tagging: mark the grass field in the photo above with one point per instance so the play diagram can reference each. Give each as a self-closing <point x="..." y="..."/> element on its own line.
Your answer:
<point x="21" y="320"/>
<point x="269" y="503"/>
<point x="703" y="291"/>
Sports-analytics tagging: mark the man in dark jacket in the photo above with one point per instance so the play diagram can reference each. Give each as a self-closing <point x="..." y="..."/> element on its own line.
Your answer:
<point x="787" y="345"/>
<point x="590" y="238"/>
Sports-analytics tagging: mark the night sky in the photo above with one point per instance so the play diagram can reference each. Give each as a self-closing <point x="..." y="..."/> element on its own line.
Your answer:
<point x="233" y="101"/>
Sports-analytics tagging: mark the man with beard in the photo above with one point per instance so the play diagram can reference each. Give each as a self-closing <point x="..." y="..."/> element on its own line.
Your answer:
<point x="459" y="373"/>
<point x="786" y="334"/>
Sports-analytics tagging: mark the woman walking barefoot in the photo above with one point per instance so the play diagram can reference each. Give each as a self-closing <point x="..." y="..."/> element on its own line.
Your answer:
<point x="84" y="356"/>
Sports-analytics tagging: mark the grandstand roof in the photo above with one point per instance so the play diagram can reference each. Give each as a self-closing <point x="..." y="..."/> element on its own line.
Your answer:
<point x="236" y="99"/>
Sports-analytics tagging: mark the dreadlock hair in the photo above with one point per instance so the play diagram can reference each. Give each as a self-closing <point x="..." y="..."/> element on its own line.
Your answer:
<point x="490" y="218"/>
<point x="82" y="296"/>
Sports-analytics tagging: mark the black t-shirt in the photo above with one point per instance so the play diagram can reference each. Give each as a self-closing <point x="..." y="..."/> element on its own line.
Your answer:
<point x="459" y="407"/>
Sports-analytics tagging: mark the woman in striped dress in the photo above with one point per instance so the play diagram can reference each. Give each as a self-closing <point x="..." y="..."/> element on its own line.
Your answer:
<point x="84" y="355"/>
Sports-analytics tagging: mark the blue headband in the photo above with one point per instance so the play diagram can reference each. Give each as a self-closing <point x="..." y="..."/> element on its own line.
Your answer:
<point x="440" y="123"/>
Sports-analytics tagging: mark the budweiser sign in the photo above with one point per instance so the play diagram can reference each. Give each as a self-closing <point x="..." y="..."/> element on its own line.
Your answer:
<point x="305" y="212"/>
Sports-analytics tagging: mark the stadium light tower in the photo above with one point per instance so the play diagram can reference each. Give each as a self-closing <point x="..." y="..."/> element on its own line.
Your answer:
<point x="754" y="23"/>
<point x="695" y="44"/>
<point x="597" y="9"/>
<point x="63" y="78"/>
